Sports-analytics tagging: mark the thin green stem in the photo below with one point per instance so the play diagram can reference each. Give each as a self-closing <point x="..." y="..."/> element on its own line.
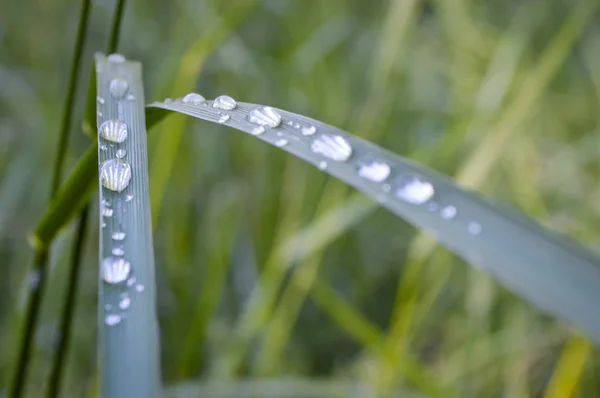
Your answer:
<point x="66" y="316"/>
<point x="115" y="31"/>
<point x="42" y="253"/>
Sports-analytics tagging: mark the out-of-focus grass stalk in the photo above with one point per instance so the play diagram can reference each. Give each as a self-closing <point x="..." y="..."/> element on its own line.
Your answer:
<point x="40" y="265"/>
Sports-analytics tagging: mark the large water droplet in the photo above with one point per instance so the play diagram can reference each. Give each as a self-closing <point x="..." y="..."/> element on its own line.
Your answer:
<point x="223" y="119"/>
<point x="118" y="235"/>
<point x="333" y="147"/>
<point x="115" y="269"/>
<point x="474" y="228"/>
<point x="118" y="87"/>
<point x="115" y="174"/>
<point x="112" y="319"/>
<point x="374" y="171"/>
<point x="308" y="130"/>
<point x="448" y="212"/>
<point x="281" y="142"/>
<point x="113" y="130"/>
<point x="124" y="302"/>
<point x="121" y="153"/>
<point x="414" y="190"/>
<point x="265" y="116"/>
<point x="224" y="102"/>
<point x="194" y="99"/>
<point x="116" y="58"/>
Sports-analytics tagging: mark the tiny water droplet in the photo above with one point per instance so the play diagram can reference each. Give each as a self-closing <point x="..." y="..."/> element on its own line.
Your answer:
<point x="193" y="98"/>
<point x="258" y="130"/>
<point x="414" y="190"/>
<point x="223" y="119"/>
<point x="103" y="147"/>
<point x="131" y="281"/>
<point x="118" y="87"/>
<point x="106" y="203"/>
<point x="115" y="269"/>
<point x="375" y="171"/>
<point x="448" y="212"/>
<point x="115" y="174"/>
<point x="131" y="97"/>
<point x="308" y="130"/>
<point x="139" y="288"/>
<point x="168" y="100"/>
<point x="281" y="142"/>
<point x="265" y="116"/>
<point x="103" y="225"/>
<point x="113" y="130"/>
<point x="280" y="134"/>
<point x="128" y="198"/>
<point x="322" y="165"/>
<point x="107" y="212"/>
<point x="112" y="319"/>
<point x="100" y="100"/>
<point x="124" y="303"/>
<point x="334" y="147"/>
<point x="116" y="58"/>
<point x="118" y="235"/>
<point x="121" y="153"/>
<point x="224" y="102"/>
<point x="118" y="251"/>
<point x="474" y="228"/>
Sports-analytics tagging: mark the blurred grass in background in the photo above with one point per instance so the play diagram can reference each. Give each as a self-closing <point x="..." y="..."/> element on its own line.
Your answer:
<point x="504" y="95"/>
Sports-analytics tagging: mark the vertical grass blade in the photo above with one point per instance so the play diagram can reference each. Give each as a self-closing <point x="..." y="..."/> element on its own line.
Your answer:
<point x="129" y="347"/>
<point x="552" y="273"/>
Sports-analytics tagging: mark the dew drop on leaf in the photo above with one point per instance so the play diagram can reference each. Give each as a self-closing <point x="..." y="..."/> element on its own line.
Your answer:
<point x="375" y="171"/>
<point x="308" y="130"/>
<point x="413" y="190"/>
<point x="116" y="58"/>
<point x="474" y="228"/>
<point x="115" y="270"/>
<point x="448" y="212"/>
<point x="124" y="302"/>
<point x="194" y="99"/>
<point x="115" y="174"/>
<point x="334" y="147"/>
<point x="265" y="116"/>
<point x="118" y="87"/>
<point x="118" y="235"/>
<point x="118" y="251"/>
<point x="121" y="153"/>
<point x="223" y="119"/>
<point x="281" y="142"/>
<point x="258" y="130"/>
<point x="113" y="130"/>
<point x="112" y="319"/>
<point x="224" y="102"/>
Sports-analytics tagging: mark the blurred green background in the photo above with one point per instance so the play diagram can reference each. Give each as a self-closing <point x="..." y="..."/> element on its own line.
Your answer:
<point x="503" y="95"/>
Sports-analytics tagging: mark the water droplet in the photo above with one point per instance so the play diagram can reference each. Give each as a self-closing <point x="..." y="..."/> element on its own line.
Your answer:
<point x="139" y="288"/>
<point x="131" y="97"/>
<point x="115" y="269"/>
<point x="118" y="235"/>
<point x="281" y="142"/>
<point x="113" y="130"/>
<point x="116" y="58"/>
<point x="265" y="116"/>
<point x="100" y="100"/>
<point x="224" y="102"/>
<point x="223" y="119"/>
<point x="118" y="251"/>
<point x="112" y="319"/>
<point x="131" y="281"/>
<point x="105" y="202"/>
<point x="107" y="212"/>
<point x="308" y="130"/>
<point x="280" y="134"/>
<point x="121" y="153"/>
<point x="115" y="174"/>
<point x="414" y="190"/>
<point x="448" y="212"/>
<point x="194" y="99"/>
<point x="103" y="225"/>
<point x="168" y="100"/>
<point x="474" y="228"/>
<point x="103" y="147"/>
<point x="322" y="165"/>
<point x="118" y="87"/>
<point x="128" y="198"/>
<point x="374" y="171"/>
<point x="124" y="302"/>
<point x="258" y="130"/>
<point x="334" y="147"/>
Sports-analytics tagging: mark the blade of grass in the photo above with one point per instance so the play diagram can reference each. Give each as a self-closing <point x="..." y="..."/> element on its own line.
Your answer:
<point x="552" y="273"/>
<point x="569" y="369"/>
<point x="129" y="348"/>
<point x="41" y="255"/>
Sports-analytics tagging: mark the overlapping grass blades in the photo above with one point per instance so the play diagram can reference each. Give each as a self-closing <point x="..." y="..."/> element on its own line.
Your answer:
<point x="129" y="346"/>
<point x="551" y="272"/>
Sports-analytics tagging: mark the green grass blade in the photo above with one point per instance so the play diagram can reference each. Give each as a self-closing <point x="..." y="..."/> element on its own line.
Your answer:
<point x="129" y="348"/>
<point x="554" y="274"/>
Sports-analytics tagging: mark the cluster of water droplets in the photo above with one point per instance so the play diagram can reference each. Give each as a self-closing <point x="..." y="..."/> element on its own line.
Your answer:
<point x="115" y="176"/>
<point x="410" y="188"/>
